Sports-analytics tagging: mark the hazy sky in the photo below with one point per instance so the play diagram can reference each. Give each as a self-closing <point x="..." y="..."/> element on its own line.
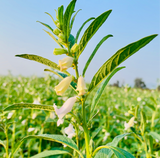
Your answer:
<point x="129" y="21"/>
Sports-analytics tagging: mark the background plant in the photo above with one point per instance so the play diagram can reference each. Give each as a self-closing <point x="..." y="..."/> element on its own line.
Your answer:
<point x="69" y="46"/>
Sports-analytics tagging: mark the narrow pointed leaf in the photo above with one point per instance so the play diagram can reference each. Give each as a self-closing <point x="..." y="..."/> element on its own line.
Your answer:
<point x="66" y="20"/>
<point x="120" y="56"/>
<point x="41" y="60"/>
<point x="51" y="17"/>
<point x="71" y="40"/>
<point x="54" y="38"/>
<point x="91" y="30"/>
<point x="50" y="153"/>
<point x="29" y="106"/>
<point x="60" y="14"/>
<point x="80" y="29"/>
<point x="56" y="138"/>
<point x="72" y="21"/>
<point x="100" y="90"/>
<point x="46" y="25"/>
<point x="94" y="52"/>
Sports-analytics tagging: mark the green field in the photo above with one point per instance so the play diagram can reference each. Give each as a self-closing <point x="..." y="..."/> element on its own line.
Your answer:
<point x="116" y="106"/>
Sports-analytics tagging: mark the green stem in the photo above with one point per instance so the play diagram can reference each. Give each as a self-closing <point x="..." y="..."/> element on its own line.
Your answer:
<point x="153" y="117"/>
<point x="7" y="143"/>
<point x="76" y="69"/>
<point x="13" y="136"/>
<point x="86" y="132"/>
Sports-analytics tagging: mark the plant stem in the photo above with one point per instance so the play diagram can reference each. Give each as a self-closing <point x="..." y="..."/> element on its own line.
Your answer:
<point x="13" y="136"/>
<point x="86" y="132"/>
<point x="7" y="143"/>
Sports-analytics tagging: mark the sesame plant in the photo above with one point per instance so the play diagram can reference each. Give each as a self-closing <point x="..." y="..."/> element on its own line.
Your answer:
<point x="84" y="113"/>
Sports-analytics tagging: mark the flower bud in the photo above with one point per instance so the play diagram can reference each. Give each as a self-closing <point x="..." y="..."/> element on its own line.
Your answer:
<point x="129" y="124"/>
<point x="81" y="86"/>
<point x="63" y="85"/>
<point x="56" y="31"/>
<point x="59" y="51"/>
<point x="61" y="36"/>
<point x="74" y="48"/>
<point x="65" y="63"/>
<point x="58" y="25"/>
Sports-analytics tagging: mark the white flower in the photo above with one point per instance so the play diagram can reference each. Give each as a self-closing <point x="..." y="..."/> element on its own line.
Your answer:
<point x="52" y="115"/>
<point x="126" y="114"/>
<point x="66" y="107"/>
<point x="81" y="86"/>
<point x="158" y="106"/>
<point x="118" y="121"/>
<point x="65" y="63"/>
<point x="20" y="117"/>
<point x="114" y="117"/>
<point x="36" y="101"/>
<point x="10" y="115"/>
<point x="34" y="116"/>
<point x="129" y="124"/>
<point x="106" y="136"/>
<point x="70" y="131"/>
<point x="125" y="137"/>
<point x="116" y="106"/>
<point x="23" y="122"/>
<point x="157" y="140"/>
<point x="63" y="85"/>
<point x="31" y="129"/>
<point x="138" y="99"/>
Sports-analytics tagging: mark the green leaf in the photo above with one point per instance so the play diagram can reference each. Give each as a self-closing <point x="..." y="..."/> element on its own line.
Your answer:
<point x="100" y="90"/>
<point x="3" y="144"/>
<point x="72" y="21"/>
<point x="29" y="106"/>
<point x="66" y="20"/>
<point x="46" y="25"/>
<point x="80" y="29"/>
<point x="155" y="135"/>
<point x="94" y="52"/>
<point x="54" y="38"/>
<point x="119" y="153"/>
<point x="41" y="60"/>
<point x="120" y="56"/>
<point x="56" y="138"/>
<point x="50" y="153"/>
<point x="51" y="17"/>
<point x="107" y="152"/>
<point x="95" y="132"/>
<point x="62" y="75"/>
<point x="71" y="40"/>
<point x="91" y="30"/>
<point x="60" y="14"/>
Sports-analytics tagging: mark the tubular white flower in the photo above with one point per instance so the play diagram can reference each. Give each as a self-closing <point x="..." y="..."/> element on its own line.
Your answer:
<point x="65" y="63"/>
<point x="70" y="131"/>
<point x="31" y="129"/>
<point x="81" y="86"/>
<point x="9" y="115"/>
<point x="63" y="85"/>
<point x="66" y="107"/>
<point x="129" y="124"/>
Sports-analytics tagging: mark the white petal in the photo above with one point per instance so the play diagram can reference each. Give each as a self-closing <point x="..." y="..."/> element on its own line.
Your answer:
<point x="60" y="121"/>
<point x="66" y="107"/>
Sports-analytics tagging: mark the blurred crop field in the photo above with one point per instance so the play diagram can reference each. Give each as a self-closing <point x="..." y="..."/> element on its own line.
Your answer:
<point x="116" y="106"/>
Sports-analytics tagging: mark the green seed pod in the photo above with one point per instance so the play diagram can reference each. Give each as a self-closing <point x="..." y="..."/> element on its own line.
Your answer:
<point x="59" y="51"/>
<point x="74" y="48"/>
<point x="61" y="36"/>
<point x="56" y="31"/>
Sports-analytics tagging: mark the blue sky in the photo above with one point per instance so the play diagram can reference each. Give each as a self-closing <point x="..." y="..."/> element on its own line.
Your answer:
<point x="128" y="22"/>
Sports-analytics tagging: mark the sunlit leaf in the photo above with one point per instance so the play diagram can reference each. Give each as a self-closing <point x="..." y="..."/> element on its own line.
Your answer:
<point x="91" y="30"/>
<point x="120" y="56"/>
